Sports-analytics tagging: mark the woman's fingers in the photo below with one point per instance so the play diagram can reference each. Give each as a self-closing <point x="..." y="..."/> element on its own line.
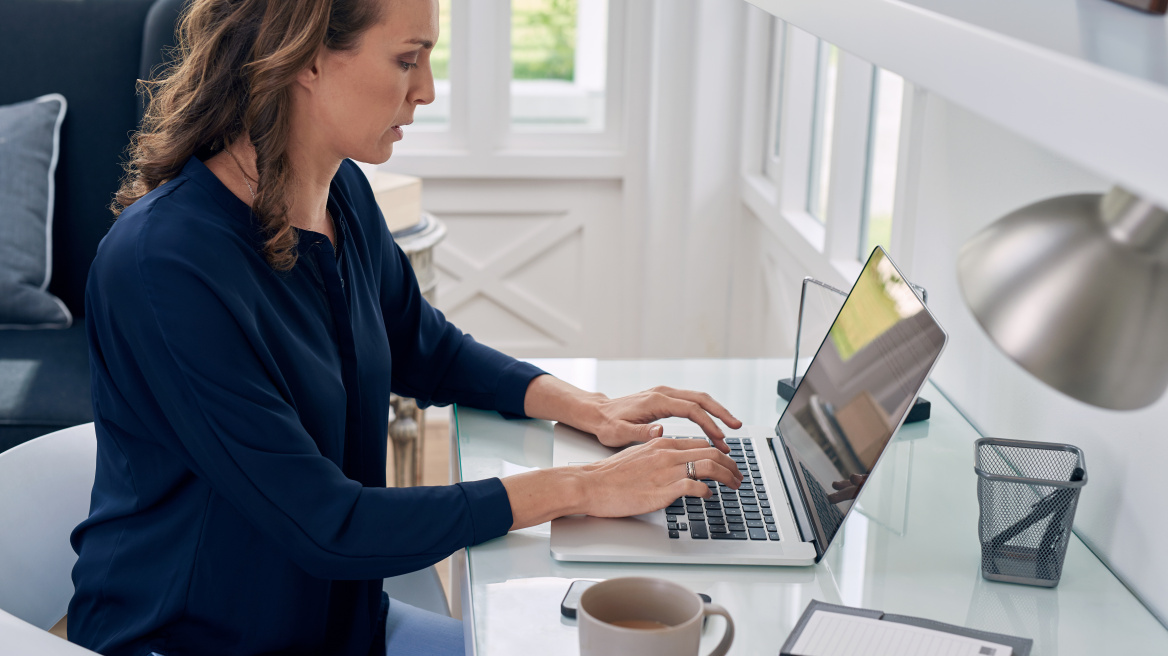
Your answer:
<point x="708" y="470"/>
<point x="687" y="488"/>
<point x="694" y="412"/>
<point x="706" y="402"/>
<point x="709" y="463"/>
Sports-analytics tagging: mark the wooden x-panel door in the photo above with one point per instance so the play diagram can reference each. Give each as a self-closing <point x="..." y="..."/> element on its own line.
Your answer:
<point x="533" y="268"/>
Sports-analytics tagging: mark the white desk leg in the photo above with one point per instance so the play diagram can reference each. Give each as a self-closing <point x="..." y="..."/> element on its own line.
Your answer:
<point x="463" y="604"/>
<point x="459" y="574"/>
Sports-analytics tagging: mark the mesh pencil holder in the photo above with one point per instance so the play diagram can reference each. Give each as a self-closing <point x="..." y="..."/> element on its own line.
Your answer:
<point x="1027" y="492"/>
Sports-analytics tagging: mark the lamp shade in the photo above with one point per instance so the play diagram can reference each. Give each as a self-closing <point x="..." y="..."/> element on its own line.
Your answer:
<point x="1075" y="289"/>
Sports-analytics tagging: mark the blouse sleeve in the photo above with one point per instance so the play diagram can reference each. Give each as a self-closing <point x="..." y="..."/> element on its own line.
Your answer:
<point x="434" y="361"/>
<point x="181" y="346"/>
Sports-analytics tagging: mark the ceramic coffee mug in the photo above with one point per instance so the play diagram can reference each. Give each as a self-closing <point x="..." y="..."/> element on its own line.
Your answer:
<point x="647" y="617"/>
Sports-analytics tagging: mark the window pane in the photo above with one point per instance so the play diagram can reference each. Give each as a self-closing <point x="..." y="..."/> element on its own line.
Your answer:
<point x="778" y="60"/>
<point x="778" y="63"/>
<point x="822" y="126"/>
<point x="883" y="150"/>
<point x="558" y="64"/>
<point x="436" y="115"/>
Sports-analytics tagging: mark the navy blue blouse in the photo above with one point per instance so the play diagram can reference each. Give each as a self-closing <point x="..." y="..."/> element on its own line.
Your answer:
<point x="240" y="504"/>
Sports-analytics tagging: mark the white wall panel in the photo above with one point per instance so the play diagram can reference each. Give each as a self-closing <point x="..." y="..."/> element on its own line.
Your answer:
<point x="768" y="279"/>
<point x="972" y="173"/>
<point x="532" y="267"/>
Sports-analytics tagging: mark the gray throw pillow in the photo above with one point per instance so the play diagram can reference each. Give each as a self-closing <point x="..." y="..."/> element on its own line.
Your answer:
<point x="29" y="139"/>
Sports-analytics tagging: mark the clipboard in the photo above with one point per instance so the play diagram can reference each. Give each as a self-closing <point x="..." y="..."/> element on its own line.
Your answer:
<point x="1021" y="646"/>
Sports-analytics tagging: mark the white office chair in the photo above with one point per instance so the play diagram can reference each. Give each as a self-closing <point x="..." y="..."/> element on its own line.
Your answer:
<point x="45" y="485"/>
<point x="421" y="589"/>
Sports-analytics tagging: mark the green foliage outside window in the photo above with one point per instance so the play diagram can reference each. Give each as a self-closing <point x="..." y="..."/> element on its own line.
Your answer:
<point x="543" y="39"/>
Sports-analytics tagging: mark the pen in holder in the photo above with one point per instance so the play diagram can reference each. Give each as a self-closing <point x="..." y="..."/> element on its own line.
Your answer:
<point x="1027" y="493"/>
<point x="921" y="409"/>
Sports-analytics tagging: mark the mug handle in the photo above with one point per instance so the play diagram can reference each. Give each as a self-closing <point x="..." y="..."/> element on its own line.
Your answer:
<point x="728" y="636"/>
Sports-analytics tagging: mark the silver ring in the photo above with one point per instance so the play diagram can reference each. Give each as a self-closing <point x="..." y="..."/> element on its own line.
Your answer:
<point x="691" y="471"/>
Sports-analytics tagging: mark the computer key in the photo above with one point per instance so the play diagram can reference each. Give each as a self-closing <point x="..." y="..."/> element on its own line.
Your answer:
<point x="697" y="531"/>
<point x="697" y="517"/>
<point x="758" y="534"/>
<point x="671" y="510"/>
<point x="754" y="523"/>
<point x="773" y="536"/>
<point x="733" y="535"/>
<point x="750" y="516"/>
<point x="674" y="534"/>
<point x="715" y="528"/>
<point x="682" y="527"/>
<point x="716" y="520"/>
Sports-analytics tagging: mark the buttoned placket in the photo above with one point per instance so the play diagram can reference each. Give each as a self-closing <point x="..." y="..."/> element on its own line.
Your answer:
<point x="332" y="274"/>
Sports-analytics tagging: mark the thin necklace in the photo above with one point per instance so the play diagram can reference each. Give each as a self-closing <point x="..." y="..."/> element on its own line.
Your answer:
<point x="246" y="181"/>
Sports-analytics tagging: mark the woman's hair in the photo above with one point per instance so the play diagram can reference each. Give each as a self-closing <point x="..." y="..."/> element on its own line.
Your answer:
<point x="234" y="66"/>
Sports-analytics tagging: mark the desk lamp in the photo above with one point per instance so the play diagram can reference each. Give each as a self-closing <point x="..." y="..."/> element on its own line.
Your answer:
<point x="1075" y="289"/>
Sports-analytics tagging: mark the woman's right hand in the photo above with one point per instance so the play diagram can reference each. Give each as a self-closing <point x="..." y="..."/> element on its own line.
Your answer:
<point x="640" y="479"/>
<point x="652" y="475"/>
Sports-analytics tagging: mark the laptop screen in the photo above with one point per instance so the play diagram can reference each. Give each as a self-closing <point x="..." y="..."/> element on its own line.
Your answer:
<point x="857" y="391"/>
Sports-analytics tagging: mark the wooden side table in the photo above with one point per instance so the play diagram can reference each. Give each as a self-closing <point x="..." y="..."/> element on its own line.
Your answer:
<point x="406" y="430"/>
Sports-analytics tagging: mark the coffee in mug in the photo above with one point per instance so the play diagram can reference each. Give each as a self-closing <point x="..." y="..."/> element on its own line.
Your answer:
<point x="647" y="617"/>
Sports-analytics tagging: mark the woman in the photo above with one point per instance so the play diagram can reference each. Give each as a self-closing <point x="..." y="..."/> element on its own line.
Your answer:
<point x="249" y="315"/>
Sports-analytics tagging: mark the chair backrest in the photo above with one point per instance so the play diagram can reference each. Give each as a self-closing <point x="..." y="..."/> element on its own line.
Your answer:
<point x="45" y="487"/>
<point x="92" y="52"/>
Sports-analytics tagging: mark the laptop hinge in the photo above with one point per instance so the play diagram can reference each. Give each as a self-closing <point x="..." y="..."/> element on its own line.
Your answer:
<point x="798" y="504"/>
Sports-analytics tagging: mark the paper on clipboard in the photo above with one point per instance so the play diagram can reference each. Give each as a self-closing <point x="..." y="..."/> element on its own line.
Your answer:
<point x="836" y="634"/>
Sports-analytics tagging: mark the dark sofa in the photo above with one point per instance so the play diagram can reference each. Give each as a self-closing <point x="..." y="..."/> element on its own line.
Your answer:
<point x="92" y="52"/>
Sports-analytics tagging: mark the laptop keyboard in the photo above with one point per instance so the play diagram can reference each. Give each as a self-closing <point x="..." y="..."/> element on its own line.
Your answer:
<point x="744" y="514"/>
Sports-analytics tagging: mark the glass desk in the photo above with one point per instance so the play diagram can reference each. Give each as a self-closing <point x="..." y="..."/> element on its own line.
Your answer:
<point x="911" y="548"/>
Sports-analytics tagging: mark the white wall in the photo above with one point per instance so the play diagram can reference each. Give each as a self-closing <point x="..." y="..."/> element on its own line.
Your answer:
<point x="973" y="172"/>
<point x="969" y="172"/>
<point x="530" y="266"/>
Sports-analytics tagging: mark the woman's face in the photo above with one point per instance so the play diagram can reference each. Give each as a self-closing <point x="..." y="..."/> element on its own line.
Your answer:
<point x="354" y="103"/>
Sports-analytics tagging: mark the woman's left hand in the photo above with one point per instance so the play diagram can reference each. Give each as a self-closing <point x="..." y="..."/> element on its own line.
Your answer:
<point x="627" y="419"/>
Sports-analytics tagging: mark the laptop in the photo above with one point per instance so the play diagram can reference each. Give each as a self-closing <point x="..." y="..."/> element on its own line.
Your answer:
<point x="802" y="478"/>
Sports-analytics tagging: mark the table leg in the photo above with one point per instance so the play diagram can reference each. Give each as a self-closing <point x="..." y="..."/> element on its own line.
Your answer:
<point x="405" y="434"/>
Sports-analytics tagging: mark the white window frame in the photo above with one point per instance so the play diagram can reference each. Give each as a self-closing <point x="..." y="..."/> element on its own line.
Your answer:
<point x="479" y="141"/>
<point x="776" y="91"/>
<point x="775" y="188"/>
